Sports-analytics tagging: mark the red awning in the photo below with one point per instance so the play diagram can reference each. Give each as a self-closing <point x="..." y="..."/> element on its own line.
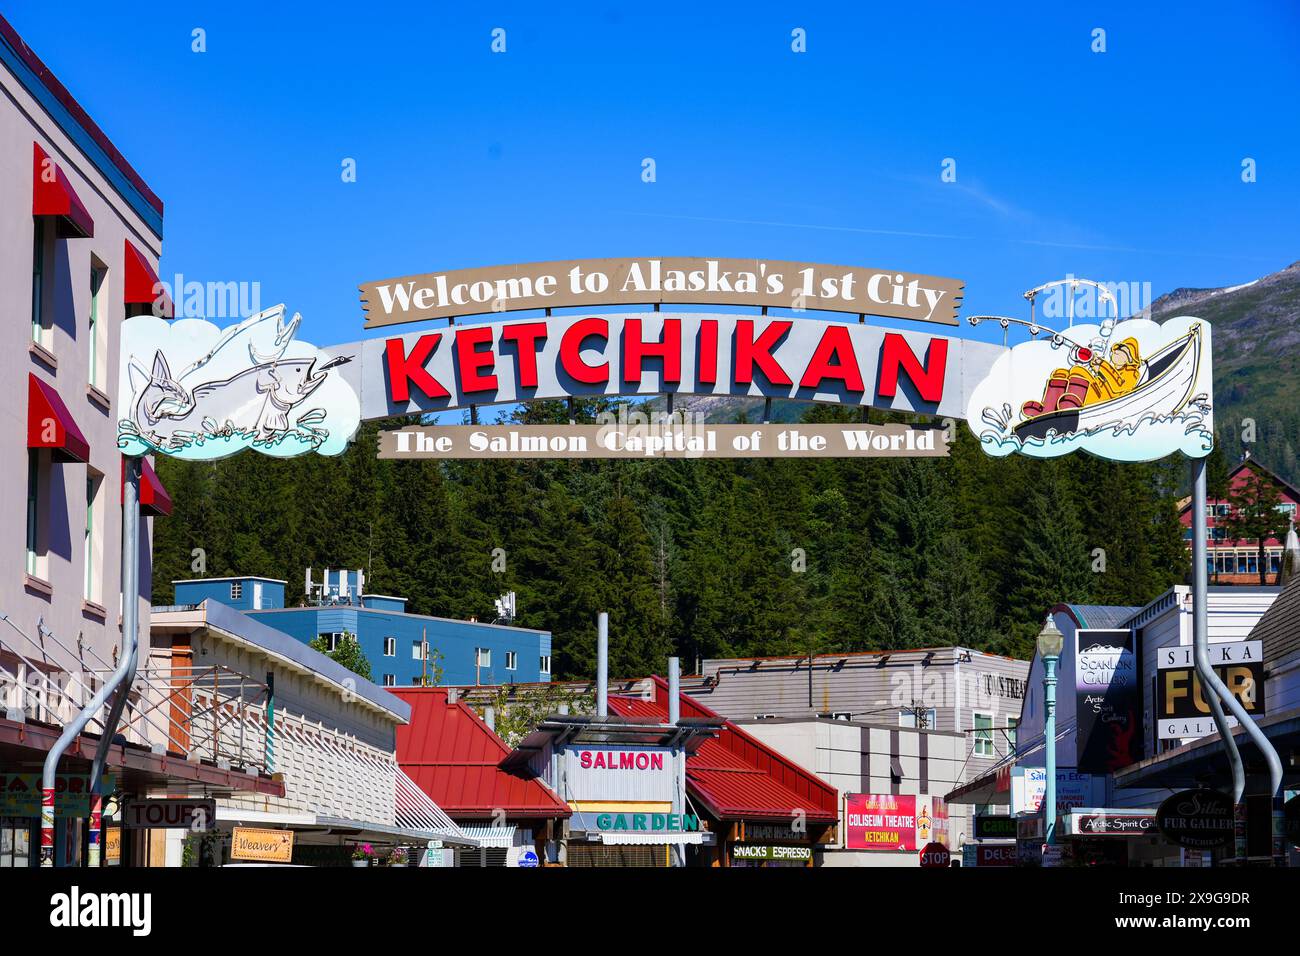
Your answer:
<point x="53" y="195"/>
<point x="154" y="500"/>
<point x="140" y="286"/>
<point x="50" y="424"/>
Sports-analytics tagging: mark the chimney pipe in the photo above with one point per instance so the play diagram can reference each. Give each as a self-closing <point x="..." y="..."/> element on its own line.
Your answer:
<point x="490" y="717"/>
<point x="602" y="664"/>
<point x="674" y="690"/>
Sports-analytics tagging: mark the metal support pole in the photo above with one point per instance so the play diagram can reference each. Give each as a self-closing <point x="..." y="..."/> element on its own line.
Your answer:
<point x="674" y="690"/>
<point x="602" y="664"/>
<point x="1201" y="640"/>
<point x="1049" y="749"/>
<point x="120" y="681"/>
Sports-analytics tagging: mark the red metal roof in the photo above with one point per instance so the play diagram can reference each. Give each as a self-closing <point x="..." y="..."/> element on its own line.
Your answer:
<point x="454" y="757"/>
<point x="736" y="776"/>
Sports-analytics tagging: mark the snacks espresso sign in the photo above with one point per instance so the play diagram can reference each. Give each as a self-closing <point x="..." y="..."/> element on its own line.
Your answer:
<point x="1197" y="819"/>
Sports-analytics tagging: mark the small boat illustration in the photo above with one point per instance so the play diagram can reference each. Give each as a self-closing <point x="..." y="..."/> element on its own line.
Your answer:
<point x="1164" y="388"/>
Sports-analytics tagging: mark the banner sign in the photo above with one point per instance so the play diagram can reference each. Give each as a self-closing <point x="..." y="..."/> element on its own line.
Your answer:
<point x="995" y="854"/>
<point x="988" y="827"/>
<point x="648" y="354"/>
<point x="1029" y="787"/>
<point x="1110" y="823"/>
<point x="584" y="283"/>
<point x="880" y="822"/>
<point x="1108" y="700"/>
<point x="663" y="440"/>
<point x="180" y="814"/>
<point x="1129" y="391"/>
<point x="1197" y="819"/>
<point x="261" y="846"/>
<point x="1182" y="712"/>
<point x="742" y="851"/>
<point x="20" y="794"/>
<point x="191" y="390"/>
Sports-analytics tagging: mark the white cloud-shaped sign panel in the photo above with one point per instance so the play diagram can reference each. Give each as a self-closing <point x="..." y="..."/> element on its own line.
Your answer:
<point x="191" y="390"/>
<point x="1129" y="391"/>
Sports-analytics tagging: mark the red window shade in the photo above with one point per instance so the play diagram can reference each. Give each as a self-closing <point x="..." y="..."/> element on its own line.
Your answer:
<point x="53" y="195"/>
<point x="50" y="424"/>
<point x="140" y="286"/>
<point x="154" y="499"/>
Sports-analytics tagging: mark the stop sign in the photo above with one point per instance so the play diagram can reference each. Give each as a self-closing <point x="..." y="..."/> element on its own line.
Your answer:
<point x="934" y="856"/>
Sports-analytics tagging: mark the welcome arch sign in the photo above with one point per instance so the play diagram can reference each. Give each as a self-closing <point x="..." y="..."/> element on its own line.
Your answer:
<point x="1131" y="390"/>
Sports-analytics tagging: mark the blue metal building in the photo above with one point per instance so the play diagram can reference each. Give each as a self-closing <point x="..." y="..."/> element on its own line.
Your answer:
<point x="395" y="643"/>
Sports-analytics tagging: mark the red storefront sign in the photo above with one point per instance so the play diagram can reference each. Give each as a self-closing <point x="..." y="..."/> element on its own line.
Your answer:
<point x="880" y="822"/>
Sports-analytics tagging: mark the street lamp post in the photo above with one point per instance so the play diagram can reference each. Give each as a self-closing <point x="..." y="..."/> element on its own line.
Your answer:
<point x="1050" y="640"/>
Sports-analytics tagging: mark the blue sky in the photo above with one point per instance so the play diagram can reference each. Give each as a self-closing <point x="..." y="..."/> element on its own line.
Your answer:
<point x="1122" y="166"/>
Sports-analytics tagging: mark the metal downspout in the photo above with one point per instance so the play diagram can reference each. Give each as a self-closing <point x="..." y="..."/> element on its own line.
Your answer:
<point x="122" y="678"/>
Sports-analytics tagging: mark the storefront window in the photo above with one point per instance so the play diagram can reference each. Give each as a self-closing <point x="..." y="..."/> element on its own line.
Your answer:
<point x="984" y="735"/>
<point x="16" y="842"/>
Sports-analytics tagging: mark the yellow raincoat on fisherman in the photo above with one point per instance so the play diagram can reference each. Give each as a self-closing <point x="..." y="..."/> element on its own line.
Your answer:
<point x="1119" y="376"/>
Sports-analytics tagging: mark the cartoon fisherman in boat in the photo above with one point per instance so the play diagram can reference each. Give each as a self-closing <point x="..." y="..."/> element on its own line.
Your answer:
<point x="1096" y="380"/>
<point x="1126" y="389"/>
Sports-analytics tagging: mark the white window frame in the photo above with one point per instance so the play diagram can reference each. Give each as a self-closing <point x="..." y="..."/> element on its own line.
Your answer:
<point x="1013" y="733"/>
<point x="390" y="680"/>
<point x="482" y="657"/>
<point x="544" y="664"/>
<point x="512" y="661"/>
<point x="983" y="735"/>
<point x="236" y="590"/>
<point x="418" y="650"/>
<point x="97" y="337"/>
<point x="38" y="494"/>
<point x="390" y="647"/>
<point x="93" y="583"/>
<point x="931" y="718"/>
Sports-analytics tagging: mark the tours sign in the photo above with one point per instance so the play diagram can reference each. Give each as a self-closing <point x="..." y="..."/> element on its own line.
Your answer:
<point x="1129" y="390"/>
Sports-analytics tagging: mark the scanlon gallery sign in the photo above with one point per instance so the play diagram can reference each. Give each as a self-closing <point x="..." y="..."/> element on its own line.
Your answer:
<point x="1130" y="390"/>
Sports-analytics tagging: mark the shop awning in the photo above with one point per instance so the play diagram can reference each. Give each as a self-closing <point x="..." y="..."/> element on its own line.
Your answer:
<point x="140" y="286"/>
<point x="651" y="839"/>
<point x="491" y="837"/>
<point x="154" y="500"/>
<point x="53" y="195"/>
<point x="50" y="424"/>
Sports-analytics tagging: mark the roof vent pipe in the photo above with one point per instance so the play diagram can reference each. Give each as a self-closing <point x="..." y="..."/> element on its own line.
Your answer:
<point x="602" y="664"/>
<point x="674" y="690"/>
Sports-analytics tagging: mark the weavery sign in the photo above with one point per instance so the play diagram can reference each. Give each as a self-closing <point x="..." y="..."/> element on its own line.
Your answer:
<point x="191" y="390"/>
<point x="1130" y="391"/>
<point x="258" y="845"/>
<point x="1182" y="711"/>
<point x="1108" y="699"/>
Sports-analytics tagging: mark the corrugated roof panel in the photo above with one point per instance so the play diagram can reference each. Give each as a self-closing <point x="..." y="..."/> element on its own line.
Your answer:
<point x="736" y="776"/>
<point x="455" y="758"/>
